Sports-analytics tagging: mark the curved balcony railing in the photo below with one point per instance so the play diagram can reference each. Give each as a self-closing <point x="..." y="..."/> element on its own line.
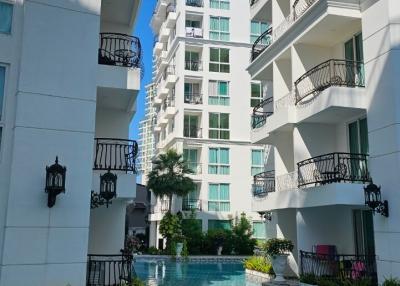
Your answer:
<point x="263" y="183"/>
<point x="109" y="270"/>
<point x="115" y="154"/>
<point x="330" y="73"/>
<point x="339" y="267"/>
<point x="333" y="168"/>
<point x="188" y="205"/>
<point x="193" y="65"/>
<point x="261" y="43"/>
<point x="262" y="111"/>
<point x="120" y="50"/>
<point x="193" y="98"/>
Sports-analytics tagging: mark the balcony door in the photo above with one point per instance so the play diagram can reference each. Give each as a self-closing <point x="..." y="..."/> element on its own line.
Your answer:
<point x="190" y="126"/>
<point x="192" y="92"/>
<point x="192" y="61"/>
<point x="364" y="232"/>
<point x="354" y="54"/>
<point x="358" y="144"/>
<point x="191" y="158"/>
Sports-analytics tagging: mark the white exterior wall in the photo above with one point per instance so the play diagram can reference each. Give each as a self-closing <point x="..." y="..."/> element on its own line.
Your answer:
<point x="49" y="110"/>
<point x="239" y="144"/>
<point x="321" y="126"/>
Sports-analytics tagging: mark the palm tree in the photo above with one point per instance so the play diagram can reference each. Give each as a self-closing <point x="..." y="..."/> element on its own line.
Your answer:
<point x="169" y="176"/>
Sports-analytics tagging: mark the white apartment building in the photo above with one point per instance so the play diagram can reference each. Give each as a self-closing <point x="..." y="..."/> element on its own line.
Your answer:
<point x="332" y="116"/>
<point x="69" y="78"/>
<point x="203" y="102"/>
<point x="146" y="134"/>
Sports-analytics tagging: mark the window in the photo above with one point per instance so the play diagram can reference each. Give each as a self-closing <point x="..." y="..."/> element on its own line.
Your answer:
<point x="218" y="198"/>
<point x="259" y="230"/>
<point x="190" y="126"/>
<point x="190" y="156"/>
<point x="219" y="28"/>
<point x="256" y="94"/>
<point x="6" y="13"/>
<point x="2" y="85"/>
<point x="191" y="200"/>
<point x="219" y="60"/>
<point x="220" y="4"/>
<point x="218" y="125"/>
<point x="257" y="162"/>
<point x="192" y="24"/>
<point x="218" y="92"/>
<point x="192" y="93"/>
<point x="192" y="61"/>
<point x="219" y="224"/>
<point x="353" y="51"/>
<point x="256" y="29"/>
<point x="358" y="137"/>
<point x="218" y="161"/>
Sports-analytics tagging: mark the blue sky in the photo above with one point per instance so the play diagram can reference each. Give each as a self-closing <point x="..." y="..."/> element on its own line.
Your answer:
<point x="145" y="34"/>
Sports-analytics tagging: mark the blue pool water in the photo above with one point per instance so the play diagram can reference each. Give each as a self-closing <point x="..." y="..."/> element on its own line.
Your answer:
<point x="175" y="273"/>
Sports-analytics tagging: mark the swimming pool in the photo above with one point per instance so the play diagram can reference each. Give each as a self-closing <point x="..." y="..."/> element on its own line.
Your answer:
<point x="168" y="273"/>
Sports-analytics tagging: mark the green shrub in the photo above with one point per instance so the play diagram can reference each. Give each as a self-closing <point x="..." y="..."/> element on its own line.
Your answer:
<point x="243" y="243"/>
<point x="308" y="279"/>
<point x="278" y="246"/>
<point x="137" y="282"/>
<point x="171" y="228"/>
<point x="258" y="263"/>
<point x="153" y="251"/>
<point x="391" y="282"/>
<point x="322" y="281"/>
<point x="192" y="230"/>
<point x="218" y="237"/>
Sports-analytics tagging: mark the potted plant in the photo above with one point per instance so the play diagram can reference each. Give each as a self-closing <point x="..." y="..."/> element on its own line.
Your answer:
<point x="219" y="242"/>
<point x="179" y="239"/>
<point x="278" y="249"/>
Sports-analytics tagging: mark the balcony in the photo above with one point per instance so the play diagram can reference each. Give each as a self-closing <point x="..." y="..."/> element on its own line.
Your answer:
<point x="115" y="155"/>
<point x="194" y="3"/>
<point x="193" y="65"/>
<point x="171" y="16"/>
<point x="119" y="50"/>
<point x="193" y="98"/>
<point x="192" y="132"/>
<point x="189" y="205"/>
<point x="261" y="43"/>
<point x="333" y="72"/>
<point x="262" y="111"/>
<point x="161" y="207"/>
<point x="333" y="168"/>
<point x="194" y="32"/>
<point x="170" y="77"/>
<point x="195" y="167"/>
<point x="264" y="183"/>
<point x="109" y="270"/>
<point x="339" y="267"/>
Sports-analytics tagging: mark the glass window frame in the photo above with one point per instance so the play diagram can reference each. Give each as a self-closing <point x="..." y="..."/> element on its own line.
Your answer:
<point x="257" y="169"/>
<point x="12" y="18"/>
<point x="221" y="34"/>
<point x="219" y="98"/>
<point x="219" y="129"/>
<point x="219" y="201"/>
<point x="219" y="166"/>
<point x="219" y="63"/>
<point x="219" y="4"/>
<point x="256" y="100"/>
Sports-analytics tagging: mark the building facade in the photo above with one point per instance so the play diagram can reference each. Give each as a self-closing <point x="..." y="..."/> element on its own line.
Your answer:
<point x="146" y="134"/>
<point x="331" y="117"/>
<point x="69" y="78"/>
<point x="204" y="98"/>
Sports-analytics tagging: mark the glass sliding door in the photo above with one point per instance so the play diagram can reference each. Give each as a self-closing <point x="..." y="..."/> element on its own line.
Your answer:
<point x="364" y="232"/>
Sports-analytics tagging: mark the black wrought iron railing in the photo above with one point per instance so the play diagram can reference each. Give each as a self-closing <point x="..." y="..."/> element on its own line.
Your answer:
<point x="115" y="154"/>
<point x="120" y="50"/>
<point x="339" y="267"/>
<point x="195" y="3"/>
<point x="191" y="132"/>
<point x="261" y="43"/>
<point x="330" y="73"/>
<point x="252" y="2"/>
<point x="333" y="168"/>
<point x="193" y="65"/>
<point x="262" y="111"/>
<point x="263" y="183"/>
<point x="188" y="205"/>
<point x="193" y="98"/>
<point x="109" y="270"/>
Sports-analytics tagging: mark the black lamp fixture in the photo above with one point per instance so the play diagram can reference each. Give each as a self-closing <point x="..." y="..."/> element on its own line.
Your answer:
<point x="373" y="199"/>
<point x="265" y="216"/>
<point x="55" y="182"/>
<point x="108" y="187"/>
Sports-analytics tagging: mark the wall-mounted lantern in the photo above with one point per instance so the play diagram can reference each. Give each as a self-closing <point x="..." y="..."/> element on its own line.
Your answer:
<point x="108" y="187"/>
<point x="55" y="182"/>
<point x="265" y="216"/>
<point x="373" y="200"/>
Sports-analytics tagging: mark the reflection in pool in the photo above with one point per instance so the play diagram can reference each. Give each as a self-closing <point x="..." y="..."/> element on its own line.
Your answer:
<point x="166" y="273"/>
